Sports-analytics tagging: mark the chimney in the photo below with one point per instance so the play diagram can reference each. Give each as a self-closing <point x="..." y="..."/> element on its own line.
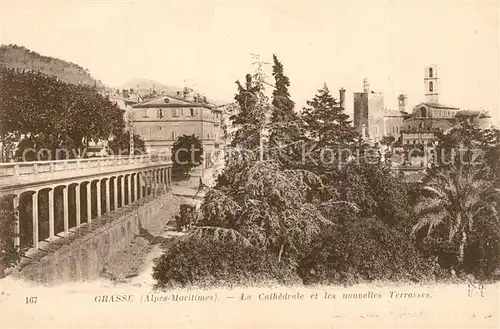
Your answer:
<point x="342" y="97"/>
<point x="188" y="94"/>
<point x="366" y="86"/>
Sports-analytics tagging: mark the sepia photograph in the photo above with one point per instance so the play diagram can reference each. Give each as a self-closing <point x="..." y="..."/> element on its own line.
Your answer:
<point x="249" y="164"/>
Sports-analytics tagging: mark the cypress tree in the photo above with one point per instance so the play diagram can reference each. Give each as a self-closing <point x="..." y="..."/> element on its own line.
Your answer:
<point x="285" y="124"/>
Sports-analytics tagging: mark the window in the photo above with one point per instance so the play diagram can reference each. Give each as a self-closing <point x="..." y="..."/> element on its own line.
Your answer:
<point x="423" y="112"/>
<point x="174" y="113"/>
<point x="174" y="135"/>
<point x="431" y="86"/>
<point x="430" y="72"/>
<point x="145" y="113"/>
<point x="159" y="113"/>
<point x="191" y="112"/>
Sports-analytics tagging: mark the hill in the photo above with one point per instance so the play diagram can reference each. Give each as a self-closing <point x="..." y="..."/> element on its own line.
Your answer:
<point x="19" y="57"/>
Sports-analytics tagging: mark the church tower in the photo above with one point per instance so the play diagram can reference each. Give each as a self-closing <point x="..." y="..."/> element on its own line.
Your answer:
<point x="431" y="82"/>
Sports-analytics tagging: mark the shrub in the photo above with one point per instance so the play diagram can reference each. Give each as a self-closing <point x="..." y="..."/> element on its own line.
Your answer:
<point x="224" y="258"/>
<point x="365" y="250"/>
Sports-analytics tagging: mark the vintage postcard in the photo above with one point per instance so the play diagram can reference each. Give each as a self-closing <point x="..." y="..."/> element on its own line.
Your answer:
<point x="249" y="164"/>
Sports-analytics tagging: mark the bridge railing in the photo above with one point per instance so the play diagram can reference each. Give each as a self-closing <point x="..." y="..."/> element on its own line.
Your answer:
<point x="38" y="167"/>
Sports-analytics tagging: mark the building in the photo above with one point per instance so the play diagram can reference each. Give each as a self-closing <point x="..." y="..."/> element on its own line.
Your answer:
<point x="431" y="117"/>
<point x="371" y="119"/>
<point x="161" y="120"/>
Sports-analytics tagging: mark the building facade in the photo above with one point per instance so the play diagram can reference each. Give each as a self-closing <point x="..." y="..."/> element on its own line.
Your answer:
<point x="161" y="120"/>
<point x="431" y="117"/>
<point x="373" y="121"/>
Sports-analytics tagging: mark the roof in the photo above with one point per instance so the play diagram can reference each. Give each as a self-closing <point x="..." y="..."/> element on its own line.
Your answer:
<point x="394" y="113"/>
<point x="436" y="106"/>
<point x="468" y="113"/>
<point x="164" y="101"/>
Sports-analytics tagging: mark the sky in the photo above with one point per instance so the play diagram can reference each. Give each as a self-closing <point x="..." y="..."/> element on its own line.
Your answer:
<point x="208" y="45"/>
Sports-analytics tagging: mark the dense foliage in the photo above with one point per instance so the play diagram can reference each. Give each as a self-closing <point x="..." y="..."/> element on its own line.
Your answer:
<point x="225" y="258"/>
<point x="459" y="208"/>
<point x="43" y="113"/>
<point x="8" y="254"/>
<point x="120" y="144"/>
<point x="187" y="153"/>
<point x="365" y="249"/>
<point x="341" y="217"/>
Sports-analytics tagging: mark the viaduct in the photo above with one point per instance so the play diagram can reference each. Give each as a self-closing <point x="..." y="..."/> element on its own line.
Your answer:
<point x="54" y="200"/>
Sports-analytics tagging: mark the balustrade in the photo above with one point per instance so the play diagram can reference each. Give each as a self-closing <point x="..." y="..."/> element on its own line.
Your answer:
<point x="39" y="167"/>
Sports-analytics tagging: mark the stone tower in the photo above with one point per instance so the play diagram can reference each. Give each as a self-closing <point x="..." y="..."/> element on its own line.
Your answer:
<point x="431" y="82"/>
<point x="366" y="86"/>
<point x="402" y="103"/>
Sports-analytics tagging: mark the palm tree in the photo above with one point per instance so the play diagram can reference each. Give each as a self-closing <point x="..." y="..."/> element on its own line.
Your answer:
<point x="454" y="201"/>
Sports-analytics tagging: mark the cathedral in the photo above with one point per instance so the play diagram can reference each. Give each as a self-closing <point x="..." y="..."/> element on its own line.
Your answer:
<point x="374" y="121"/>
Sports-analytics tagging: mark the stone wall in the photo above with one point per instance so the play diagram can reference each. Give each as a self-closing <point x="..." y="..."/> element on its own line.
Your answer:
<point x="85" y="257"/>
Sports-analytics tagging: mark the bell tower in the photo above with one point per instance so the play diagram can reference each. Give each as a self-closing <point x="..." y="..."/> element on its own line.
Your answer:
<point x="431" y="82"/>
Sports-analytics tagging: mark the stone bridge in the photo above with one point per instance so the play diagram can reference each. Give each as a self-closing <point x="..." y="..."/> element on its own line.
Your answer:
<point x="51" y="200"/>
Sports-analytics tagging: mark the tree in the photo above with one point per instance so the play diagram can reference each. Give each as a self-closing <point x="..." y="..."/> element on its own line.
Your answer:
<point x="120" y="144"/>
<point x="250" y="120"/>
<point x="455" y="203"/>
<point x="365" y="249"/>
<point x="48" y="113"/>
<point x="212" y="256"/>
<point x="374" y="190"/>
<point x="285" y="124"/>
<point x="326" y="123"/>
<point x="271" y="207"/>
<point x="329" y="137"/>
<point x="187" y="153"/>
